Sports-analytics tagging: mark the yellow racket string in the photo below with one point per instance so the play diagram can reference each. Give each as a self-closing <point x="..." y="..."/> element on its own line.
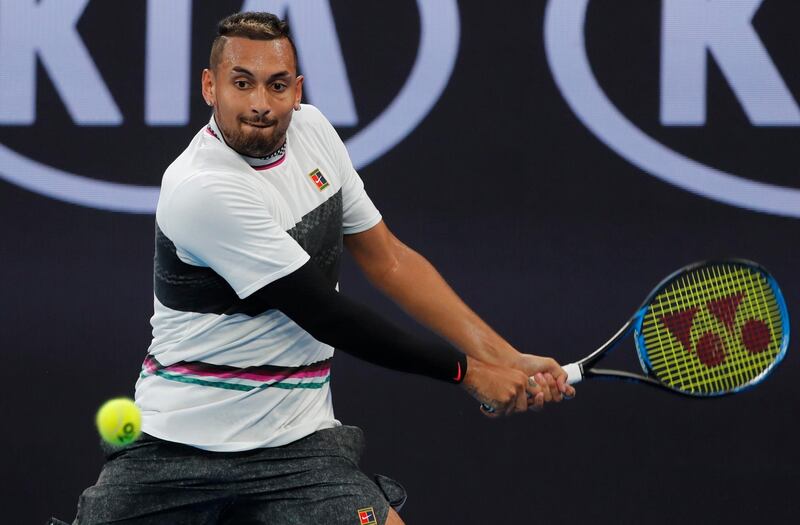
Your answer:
<point x="713" y="330"/>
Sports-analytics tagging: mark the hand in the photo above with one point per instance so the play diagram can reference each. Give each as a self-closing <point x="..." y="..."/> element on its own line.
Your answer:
<point x="549" y="376"/>
<point x="506" y="390"/>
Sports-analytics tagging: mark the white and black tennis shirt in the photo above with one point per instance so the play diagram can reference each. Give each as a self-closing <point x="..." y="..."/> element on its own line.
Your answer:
<point x="219" y="376"/>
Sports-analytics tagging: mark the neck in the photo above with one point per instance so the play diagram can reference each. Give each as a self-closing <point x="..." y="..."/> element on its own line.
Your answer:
<point x="259" y="163"/>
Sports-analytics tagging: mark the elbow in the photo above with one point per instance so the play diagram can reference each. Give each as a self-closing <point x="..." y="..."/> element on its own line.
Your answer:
<point x="390" y="267"/>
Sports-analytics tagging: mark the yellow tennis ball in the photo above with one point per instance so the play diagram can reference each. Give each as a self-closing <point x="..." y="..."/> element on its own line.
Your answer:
<point x="119" y="421"/>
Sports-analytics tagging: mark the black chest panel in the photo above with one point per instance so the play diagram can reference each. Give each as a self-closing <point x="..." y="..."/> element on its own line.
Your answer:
<point x="189" y="288"/>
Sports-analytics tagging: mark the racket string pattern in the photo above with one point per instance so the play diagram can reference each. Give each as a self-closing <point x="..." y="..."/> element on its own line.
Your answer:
<point x="712" y="330"/>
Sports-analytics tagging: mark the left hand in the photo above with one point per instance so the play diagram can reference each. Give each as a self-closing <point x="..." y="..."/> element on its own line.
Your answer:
<point x="550" y="378"/>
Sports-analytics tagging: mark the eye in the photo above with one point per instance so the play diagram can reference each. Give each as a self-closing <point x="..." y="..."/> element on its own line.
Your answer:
<point x="279" y="86"/>
<point x="241" y="84"/>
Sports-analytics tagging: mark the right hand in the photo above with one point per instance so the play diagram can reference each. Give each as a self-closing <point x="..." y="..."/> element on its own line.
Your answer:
<point x="506" y="390"/>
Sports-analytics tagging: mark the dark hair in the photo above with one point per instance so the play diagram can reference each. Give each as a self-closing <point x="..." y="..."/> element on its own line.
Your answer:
<point x="256" y="26"/>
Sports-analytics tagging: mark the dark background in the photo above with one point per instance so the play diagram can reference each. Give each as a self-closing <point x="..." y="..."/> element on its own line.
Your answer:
<point x="549" y="235"/>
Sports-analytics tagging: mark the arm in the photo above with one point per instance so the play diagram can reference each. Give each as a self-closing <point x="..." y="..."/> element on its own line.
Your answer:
<point x="414" y="284"/>
<point x="349" y="326"/>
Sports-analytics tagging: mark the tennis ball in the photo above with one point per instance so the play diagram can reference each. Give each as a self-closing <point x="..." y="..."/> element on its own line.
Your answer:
<point x="119" y="421"/>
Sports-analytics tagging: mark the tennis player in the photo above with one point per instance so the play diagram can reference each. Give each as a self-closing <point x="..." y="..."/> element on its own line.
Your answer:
<point x="234" y="392"/>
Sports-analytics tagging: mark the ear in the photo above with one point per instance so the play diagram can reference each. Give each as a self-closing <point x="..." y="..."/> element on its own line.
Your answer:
<point x="298" y="94"/>
<point x="209" y="94"/>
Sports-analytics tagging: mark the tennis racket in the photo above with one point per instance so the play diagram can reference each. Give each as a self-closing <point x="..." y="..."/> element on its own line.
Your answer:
<point x="709" y="329"/>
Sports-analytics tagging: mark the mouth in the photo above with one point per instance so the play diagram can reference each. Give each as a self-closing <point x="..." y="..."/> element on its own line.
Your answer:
<point x="259" y="124"/>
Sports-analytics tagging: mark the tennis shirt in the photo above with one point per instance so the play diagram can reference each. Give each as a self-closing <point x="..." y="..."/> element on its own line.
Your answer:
<point x="219" y="374"/>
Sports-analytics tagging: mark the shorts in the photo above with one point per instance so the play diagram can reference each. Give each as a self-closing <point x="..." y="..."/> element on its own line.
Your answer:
<point x="315" y="480"/>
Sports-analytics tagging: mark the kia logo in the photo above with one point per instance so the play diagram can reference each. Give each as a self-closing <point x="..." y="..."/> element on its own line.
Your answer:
<point x="692" y="32"/>
<point x="79" y="83"/>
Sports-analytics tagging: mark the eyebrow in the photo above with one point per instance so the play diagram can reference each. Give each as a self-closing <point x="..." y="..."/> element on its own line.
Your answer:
<point x="274" y="76"/>
<point x="239" y="69"/>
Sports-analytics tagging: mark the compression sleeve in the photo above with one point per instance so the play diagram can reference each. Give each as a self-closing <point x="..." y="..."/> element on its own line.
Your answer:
<point x="308" y="299"/>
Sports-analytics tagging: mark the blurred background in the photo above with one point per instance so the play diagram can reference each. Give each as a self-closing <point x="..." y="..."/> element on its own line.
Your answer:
<point x="553" y="159"/>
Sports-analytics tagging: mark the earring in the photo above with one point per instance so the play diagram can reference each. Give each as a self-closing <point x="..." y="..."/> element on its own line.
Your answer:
<point x="209" y="103"/>
<point x="297" y="107"/>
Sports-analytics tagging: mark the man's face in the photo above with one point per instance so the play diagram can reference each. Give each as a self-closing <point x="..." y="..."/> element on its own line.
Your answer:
<point x="254" y="91"/>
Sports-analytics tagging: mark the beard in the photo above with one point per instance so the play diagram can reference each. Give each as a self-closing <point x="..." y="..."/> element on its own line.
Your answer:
<point x="254" y="142"/>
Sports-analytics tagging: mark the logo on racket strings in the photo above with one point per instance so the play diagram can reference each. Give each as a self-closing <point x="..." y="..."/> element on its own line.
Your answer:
<point x="753" y="334"/>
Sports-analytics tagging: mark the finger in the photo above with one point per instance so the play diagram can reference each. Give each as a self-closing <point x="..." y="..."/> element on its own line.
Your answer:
<point x="542" y="381"/>
<point x="533" y="389"/>
<point x="522" y="400"/>
<point x="570" y="393"/>
<point x="554" y="391"/>
<point x="561" y="380"/>
<point x="510" y="406"/>
<point x="555" y="395"/>
<point x="537" y="402"/>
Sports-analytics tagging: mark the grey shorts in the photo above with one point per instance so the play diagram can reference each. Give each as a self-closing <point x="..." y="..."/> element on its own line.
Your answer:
<point x="315" y="480"/>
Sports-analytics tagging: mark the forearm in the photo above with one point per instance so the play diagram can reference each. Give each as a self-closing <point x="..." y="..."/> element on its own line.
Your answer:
<point x="417" y="287"/>
<point x="414" y="284"/>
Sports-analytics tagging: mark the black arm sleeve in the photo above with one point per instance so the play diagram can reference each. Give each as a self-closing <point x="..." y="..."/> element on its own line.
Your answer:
<point x="307" y="298"/>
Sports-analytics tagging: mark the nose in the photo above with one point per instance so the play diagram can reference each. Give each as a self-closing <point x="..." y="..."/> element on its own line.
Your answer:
<point x="259" y="103"/>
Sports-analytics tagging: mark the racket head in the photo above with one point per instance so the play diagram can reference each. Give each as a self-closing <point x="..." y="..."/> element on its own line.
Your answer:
<point x="713" y="328"/>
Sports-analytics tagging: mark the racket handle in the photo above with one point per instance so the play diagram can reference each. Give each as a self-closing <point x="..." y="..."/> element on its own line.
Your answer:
<point x="574" y="373"/>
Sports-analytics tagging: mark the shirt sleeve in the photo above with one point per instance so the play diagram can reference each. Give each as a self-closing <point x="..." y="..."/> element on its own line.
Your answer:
<point x="359" y="213"/>
<point x="225" y="223"/>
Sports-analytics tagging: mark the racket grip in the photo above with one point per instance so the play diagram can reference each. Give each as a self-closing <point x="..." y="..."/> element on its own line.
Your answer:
<point x="574" y="373"/>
